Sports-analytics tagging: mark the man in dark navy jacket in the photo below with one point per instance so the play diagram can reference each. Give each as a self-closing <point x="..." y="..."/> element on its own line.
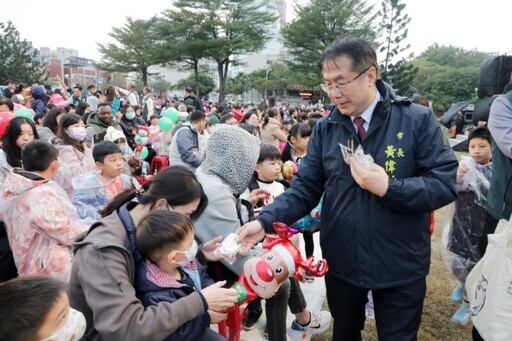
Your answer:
<point x="375" y="222"/>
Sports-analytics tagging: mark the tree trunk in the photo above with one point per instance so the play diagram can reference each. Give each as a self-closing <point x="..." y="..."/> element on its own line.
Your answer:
<point x="144" y="72"/>
<point x="196" y="77"/>
<point x="222" y="80"/>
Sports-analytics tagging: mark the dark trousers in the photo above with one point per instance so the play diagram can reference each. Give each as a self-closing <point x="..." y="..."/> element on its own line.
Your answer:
<point x="397" y="310"/>
<point x="309" y="244"/>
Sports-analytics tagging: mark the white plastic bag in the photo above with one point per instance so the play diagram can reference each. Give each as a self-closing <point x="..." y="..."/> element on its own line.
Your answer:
<point x="489" y="287"/>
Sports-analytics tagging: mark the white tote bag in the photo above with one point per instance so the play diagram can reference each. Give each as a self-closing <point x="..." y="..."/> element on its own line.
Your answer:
<point x="489" y="287"/>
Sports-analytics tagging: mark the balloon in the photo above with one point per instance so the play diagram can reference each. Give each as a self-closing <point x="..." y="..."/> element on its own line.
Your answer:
<point x="143" y="153"/>
<point x="172" y="114"/>
<point x="165" y="124"/>
<point x="27" y="113"/>
<point x="5" y="118"/>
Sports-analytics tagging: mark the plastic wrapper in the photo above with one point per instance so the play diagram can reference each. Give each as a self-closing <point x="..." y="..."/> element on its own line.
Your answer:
<point x="93" y="192"/>
<point x="229" y="248"/>
<point x="363" y="160"/>
<point x="463" y="231"/>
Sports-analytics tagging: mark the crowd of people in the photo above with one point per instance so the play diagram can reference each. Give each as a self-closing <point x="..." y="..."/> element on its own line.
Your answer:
<point x="97" y="241"/>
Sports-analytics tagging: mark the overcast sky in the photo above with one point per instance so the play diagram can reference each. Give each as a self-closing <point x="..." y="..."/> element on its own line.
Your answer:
<point x="481" y="25"/>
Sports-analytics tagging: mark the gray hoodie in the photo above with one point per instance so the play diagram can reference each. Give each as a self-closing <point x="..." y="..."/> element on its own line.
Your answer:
<point x="231" y="155"/>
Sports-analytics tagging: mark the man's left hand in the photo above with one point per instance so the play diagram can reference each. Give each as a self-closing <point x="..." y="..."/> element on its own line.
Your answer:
<point x="375" y="180"/>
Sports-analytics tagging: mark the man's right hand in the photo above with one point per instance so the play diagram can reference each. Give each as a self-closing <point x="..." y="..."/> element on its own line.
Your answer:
<point x="219" y="298"/>
<point x="249" y="235"/>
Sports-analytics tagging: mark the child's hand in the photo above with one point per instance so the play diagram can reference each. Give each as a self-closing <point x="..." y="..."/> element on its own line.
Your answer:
<point x="209" y="248"/>
<point x="461" y="171"/>
<point x="219" y="298"/>
<point x="257" y="195"/>
<point x="216" y="317"/>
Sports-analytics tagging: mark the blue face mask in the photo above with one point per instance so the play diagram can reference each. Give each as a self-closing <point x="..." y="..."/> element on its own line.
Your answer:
<point x="123" y="149"/>
<point x="130" y="115"/>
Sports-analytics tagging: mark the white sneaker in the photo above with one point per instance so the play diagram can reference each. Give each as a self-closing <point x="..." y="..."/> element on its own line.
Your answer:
<point x="320" y="321"/>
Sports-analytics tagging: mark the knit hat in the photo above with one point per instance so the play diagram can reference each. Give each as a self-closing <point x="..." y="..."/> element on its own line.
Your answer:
<point x="113" y="135"/>
<point x="213" y="120"/>
<point x="231" y="154"/>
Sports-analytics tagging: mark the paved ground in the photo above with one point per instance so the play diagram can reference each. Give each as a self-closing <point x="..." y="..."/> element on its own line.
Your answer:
<point x="313" y="292"/>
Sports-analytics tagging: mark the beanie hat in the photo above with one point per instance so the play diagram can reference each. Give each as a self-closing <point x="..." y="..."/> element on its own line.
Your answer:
<point x="113" y="135"/>
<point x="213" y="120"/>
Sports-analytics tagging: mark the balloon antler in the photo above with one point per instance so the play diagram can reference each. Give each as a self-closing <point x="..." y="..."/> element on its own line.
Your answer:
<point x="318" y="269"/>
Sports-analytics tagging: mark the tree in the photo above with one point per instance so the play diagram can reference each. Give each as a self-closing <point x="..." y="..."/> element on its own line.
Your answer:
<point x="319" y="23"/>
<point x="17" y="58"/>
<point x="394" y="25"/>
<point x="183" y="39"/>
<point x="160" y="86"/>
<point x="239" y="84"/>
<point x="206" y="83"/>
<point x="447" y="74"/>
<point x="136" y="48"/>
<point x="232" y="27"/>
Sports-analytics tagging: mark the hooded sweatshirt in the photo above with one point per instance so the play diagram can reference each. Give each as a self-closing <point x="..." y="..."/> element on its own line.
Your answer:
<point x="39" y="99"/>
<point x="41" y="223"/>
<point x="231" y="155"/>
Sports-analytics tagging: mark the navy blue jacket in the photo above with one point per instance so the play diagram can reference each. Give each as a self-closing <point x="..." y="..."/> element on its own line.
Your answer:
<point x="150" y="294"/>
<point x="369" y="241"/>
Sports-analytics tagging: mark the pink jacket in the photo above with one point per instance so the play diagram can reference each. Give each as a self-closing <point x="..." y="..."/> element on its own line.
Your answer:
<point x="41" y="223"/>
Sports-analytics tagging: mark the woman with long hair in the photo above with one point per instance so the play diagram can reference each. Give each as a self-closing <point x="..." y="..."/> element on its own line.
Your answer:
<point x="271" y="132"/>
<point x="103" y="272"/>
<point x="74" y="155"/>
<point x="19" y="132"/>
<point x="50" y="124"/>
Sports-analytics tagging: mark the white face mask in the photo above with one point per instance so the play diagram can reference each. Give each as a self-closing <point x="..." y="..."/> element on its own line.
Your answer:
<point x="72" y="330"/>
<point x="190" y="253"/>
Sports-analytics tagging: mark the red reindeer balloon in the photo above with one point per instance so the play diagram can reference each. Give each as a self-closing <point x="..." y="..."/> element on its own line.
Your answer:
<point x="264" y="274"/>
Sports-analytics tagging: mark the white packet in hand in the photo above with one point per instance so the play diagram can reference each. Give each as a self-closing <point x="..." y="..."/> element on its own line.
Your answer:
<point x="363" y="160"/>
<point x="229" y="248"/>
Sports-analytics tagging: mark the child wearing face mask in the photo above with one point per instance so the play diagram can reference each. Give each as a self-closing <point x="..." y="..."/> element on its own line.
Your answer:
<point x="170" y="271"/>
<point x="37" y="308"/>
<point x="75" y="155"/>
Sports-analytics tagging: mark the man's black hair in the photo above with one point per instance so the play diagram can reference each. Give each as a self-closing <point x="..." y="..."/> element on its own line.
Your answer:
<point x="197" y="116"/>
<point x="77" y="86"/>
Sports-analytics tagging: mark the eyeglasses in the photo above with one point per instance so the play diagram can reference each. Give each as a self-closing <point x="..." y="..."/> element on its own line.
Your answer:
<point x="341" y="86"/>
